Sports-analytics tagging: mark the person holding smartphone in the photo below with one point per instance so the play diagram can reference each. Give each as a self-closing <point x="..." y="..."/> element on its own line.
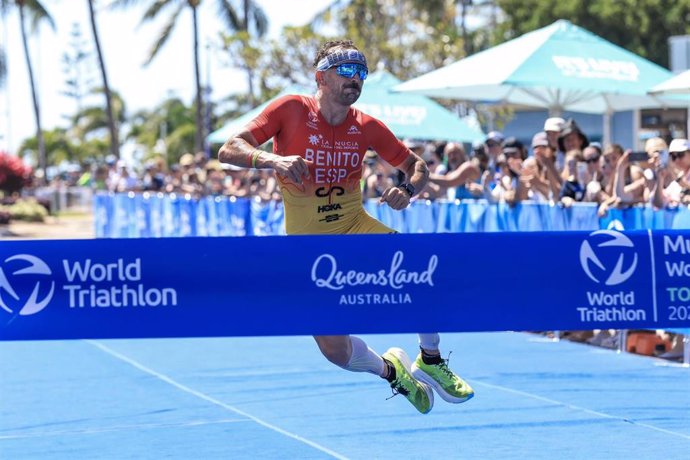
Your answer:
<point x="677" y="174"/>
<point x="573" y="188"/>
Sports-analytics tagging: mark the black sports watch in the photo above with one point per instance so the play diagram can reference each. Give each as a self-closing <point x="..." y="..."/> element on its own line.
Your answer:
<point x="407" y="188"/>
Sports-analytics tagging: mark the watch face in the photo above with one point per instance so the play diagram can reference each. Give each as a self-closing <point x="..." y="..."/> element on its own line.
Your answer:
<point x="409" y="188"/>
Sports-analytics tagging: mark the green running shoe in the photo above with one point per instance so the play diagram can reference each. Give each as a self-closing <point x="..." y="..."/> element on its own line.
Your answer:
<point x="446" y="382"/>
<point x="418" y="393"/>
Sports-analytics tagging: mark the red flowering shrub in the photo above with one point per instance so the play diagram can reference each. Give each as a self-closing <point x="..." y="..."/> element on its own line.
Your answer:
<point x="14" y="174"/>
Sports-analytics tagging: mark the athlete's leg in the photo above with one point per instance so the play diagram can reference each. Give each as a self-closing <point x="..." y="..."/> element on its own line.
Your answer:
<point x="429" y="343"/>
<point x="350" y="353"/>
<point x="395" y="364"/>
<point x="433" y="370"/>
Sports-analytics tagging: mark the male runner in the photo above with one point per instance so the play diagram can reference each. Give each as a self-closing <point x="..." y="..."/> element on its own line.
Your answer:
<point x="319" y="146"/>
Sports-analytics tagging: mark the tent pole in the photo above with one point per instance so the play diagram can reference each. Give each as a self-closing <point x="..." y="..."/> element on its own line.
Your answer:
<point x="607" y="118"/>
<point x="637" y="114"/>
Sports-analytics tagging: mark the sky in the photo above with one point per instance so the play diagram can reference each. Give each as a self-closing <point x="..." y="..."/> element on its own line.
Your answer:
<point x="125" y="43"/>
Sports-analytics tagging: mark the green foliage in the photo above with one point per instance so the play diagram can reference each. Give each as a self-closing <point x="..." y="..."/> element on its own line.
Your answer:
<point x="640" y="26"/>
<point x="26" y="209"/>
<point x="77" y="65"/>
<point x="407" y="38"/>
<point x="172" y="122"/>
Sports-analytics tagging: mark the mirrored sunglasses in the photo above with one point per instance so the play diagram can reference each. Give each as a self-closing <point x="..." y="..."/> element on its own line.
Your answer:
<point x="350" y="70"/>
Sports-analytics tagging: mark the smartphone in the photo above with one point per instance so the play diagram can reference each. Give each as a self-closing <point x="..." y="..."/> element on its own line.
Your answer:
<point x="663" y="158"/>
<point x="637" y="157"/>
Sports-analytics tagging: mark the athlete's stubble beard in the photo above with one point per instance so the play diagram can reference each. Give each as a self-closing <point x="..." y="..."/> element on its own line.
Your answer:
<point x="350" y="92"/>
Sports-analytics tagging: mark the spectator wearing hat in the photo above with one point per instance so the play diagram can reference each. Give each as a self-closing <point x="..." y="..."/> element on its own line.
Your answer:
<point x="189" y="181"/>
<point x="591" y="156"/>
<point x="509" y="165"/>
<point x="494" y="146"/>
<point x="572" y="137"/>
<point x="678" y="171"/>
<point x="214" y="184"/>
<point x="546" y="162"/>
<point x="539" y="178"/>
<point x="657" y="157"/>
<point x="552" y="128"/>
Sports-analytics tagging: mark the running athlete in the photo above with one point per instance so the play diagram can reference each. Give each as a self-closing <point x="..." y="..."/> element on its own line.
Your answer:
<point x="319" y="144"/>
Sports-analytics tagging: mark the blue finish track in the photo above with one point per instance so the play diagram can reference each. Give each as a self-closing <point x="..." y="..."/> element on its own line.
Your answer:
<point x="277" y="397"/>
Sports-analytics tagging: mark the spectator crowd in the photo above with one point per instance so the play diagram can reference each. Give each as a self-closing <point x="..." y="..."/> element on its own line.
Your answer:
<point x="560" y="166"/>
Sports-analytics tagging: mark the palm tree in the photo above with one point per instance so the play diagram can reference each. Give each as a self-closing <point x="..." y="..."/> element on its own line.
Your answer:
<point x="228" y="15"/>
<point x="3" y="67"/>
<point x="112" y="121"/>
<point x="37" y="13"/>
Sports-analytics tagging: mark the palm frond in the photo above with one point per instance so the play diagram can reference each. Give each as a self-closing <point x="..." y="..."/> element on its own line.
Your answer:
<point x="165" y="33"/>
<point x="156" y="7"/>
<point x="260" y="19"/>
<point x="38" y="13"/>
<point x="325" y="15"/>
<point x="122" y="4"/>
<point x="229" y="15"/>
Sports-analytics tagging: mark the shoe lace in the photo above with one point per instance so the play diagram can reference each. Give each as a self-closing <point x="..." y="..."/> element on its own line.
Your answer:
<point x="443" y="367"/>
<point x="397" y="388"/>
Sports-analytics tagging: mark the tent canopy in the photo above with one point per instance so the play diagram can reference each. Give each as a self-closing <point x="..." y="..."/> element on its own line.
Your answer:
<point x="680" y="84"/>
<point x="559" y="67"/>
<point x="406" y="115"/>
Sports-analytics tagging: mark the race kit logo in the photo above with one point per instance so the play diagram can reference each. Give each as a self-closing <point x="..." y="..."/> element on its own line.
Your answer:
<point x="353" y="130"/>
<point x="28" y="285"/>
<point x="396" y="278"/>
<point x="312" y="120"/>
<point x="609" y="259"/>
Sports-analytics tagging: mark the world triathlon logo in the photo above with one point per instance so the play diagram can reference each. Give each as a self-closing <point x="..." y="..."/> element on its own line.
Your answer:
<point x="608" y="256"/>
<point x="24" y="281"/>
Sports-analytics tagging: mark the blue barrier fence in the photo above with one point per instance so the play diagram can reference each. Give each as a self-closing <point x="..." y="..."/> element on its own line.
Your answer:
<point x="131" y="215"/>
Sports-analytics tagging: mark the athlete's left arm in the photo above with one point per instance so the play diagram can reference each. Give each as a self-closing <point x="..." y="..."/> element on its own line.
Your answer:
<point x="416" y="174"/>
<point x="397" y="154"/>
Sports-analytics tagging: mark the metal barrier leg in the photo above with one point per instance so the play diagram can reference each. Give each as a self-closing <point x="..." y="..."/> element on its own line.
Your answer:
<point x="686" y="350"/>
<point x="622" y="340"/>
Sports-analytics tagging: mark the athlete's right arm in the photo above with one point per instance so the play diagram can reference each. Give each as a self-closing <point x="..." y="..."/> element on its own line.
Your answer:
<point x="242" y="150"/>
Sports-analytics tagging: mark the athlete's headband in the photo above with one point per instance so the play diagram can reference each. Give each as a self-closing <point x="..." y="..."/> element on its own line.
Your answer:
<point x="340" y="57"/>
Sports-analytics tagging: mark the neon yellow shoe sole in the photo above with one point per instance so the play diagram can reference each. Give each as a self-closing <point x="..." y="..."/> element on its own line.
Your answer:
<point x="447" y="384"/>
<point x="419" y="394"/>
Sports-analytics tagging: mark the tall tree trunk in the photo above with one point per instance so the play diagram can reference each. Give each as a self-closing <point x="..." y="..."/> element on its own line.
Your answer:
<point x="112" y="121"/>
<point x="464" y="5"/>
<point x="37" y="110"/>
<point x="199" y="135"/>
<point x="250" y="72"/>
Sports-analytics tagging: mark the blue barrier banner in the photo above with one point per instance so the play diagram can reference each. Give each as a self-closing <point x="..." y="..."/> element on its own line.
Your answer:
<point x="193" y="287"/>
<point x="158" y="215"/>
